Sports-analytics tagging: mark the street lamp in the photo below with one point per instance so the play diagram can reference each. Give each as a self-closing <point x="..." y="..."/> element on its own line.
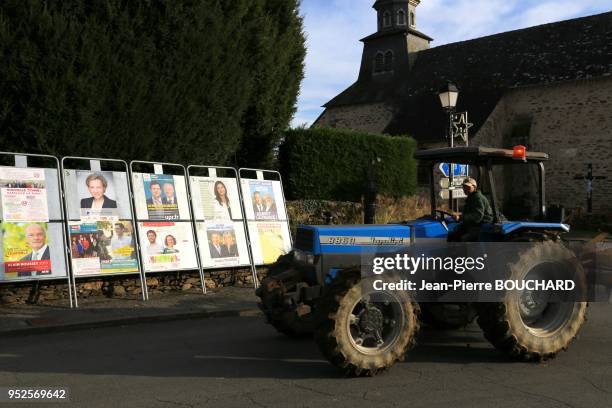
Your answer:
<point x="448" y="96"/>
<point x="448" y="99"/>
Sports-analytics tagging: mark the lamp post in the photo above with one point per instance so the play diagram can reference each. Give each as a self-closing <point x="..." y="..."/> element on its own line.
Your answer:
<point x="448" y="99"/>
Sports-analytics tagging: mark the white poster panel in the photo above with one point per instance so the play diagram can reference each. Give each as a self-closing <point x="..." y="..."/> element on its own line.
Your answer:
<point x="215" y="198"/>
<point x="97" y="195"/>
<point x="167" y="245"/>
<point x="263" y="200"/>
<point x="160" y="197"/>
<point x="222" y="244"/>
<point x="23" y="196"/>
<point x="102" y="247"/>
<point x="269" y="240"/>
<point x="31" y="250"/>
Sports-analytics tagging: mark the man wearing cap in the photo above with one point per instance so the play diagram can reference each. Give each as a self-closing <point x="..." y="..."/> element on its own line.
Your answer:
<point x="476" y="211"/>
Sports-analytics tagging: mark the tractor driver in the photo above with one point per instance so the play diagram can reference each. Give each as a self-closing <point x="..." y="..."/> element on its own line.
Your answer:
<point x="476" y="211"/>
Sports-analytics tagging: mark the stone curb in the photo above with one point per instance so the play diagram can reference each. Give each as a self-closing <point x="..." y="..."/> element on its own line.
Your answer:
<point x="247" y="312"/>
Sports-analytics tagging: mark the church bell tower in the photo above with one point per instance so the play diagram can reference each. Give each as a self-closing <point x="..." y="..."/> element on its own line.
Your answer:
<point x="393" y="48"/>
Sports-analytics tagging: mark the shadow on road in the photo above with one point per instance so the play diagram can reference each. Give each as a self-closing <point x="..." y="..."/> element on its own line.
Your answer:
<point x="229" y="348"/>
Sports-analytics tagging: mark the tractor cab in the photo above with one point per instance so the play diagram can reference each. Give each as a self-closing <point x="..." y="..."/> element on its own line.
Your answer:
<point x="512" y="180"/>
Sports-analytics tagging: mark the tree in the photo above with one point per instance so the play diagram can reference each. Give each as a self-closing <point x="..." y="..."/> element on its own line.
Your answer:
<point x="200" y="81"/>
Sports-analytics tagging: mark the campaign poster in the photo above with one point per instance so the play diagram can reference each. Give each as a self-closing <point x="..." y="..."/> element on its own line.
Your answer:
<point x="269" y="240"/>
<point x="25" y="250"/>
<point x="83" y="248"/>
<point x="103" y="247"/>
<point x="23" y="195"/>
<point x="160" y="196"/>
<point x="216" y="198"/>
<point x="167" y="246"/>
<point x="263" y="200"/>
<point x="97" y="195"/>
<point x="222" y="244"/>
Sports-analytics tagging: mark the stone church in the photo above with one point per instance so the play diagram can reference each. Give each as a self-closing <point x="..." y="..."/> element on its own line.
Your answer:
<point x="547" y="87"/>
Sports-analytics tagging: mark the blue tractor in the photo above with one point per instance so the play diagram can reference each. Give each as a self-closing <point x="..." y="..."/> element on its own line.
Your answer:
<point x="315" y="290"/>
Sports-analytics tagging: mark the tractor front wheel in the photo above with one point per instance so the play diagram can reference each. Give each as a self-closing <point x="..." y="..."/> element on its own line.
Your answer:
<point x="361" y="332"/>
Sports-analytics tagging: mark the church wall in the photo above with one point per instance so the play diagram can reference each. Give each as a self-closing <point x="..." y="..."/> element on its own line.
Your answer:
<point x="370" y="118"/>
<point x="572" y="122"/>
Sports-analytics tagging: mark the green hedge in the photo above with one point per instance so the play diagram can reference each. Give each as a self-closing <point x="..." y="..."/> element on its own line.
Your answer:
<point x="332" y="164"/>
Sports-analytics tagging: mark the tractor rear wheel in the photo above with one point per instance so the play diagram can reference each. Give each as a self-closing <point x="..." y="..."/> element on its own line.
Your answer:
<point x="361" y="332"/>
<point x="526" y="325"/>
<point x="285" y="315"/>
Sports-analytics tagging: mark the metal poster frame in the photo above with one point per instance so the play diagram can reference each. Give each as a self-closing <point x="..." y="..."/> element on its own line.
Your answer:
<point x="132" y="220"/>
<point x="22" y="162"/>
<point x="243" y="213"/>
<point x="263" y="172"/>
<point x="190" y="220"/>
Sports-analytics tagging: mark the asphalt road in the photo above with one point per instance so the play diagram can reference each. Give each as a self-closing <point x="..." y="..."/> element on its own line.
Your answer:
<point x="238" y="362"/>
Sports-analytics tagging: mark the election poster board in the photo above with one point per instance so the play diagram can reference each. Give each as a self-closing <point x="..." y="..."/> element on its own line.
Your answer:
<point x="160" y="197"/>
<point x="167" y="246"/>
<point x="102" y="247"/>
<point x="219" y="220"/>
<point x="97" y="195"/>
<point x="266" y="215"/>
<point x="269" y="240"/>
<point x="165" y="223"/>
<point x="101" y="227"/>
<point x="32" y="234"/>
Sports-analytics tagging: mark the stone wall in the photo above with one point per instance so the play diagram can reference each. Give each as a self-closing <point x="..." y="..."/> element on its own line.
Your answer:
<point x="570" y="121"/>
<point x="369" y="118"/>
<point x="125" y="286"/>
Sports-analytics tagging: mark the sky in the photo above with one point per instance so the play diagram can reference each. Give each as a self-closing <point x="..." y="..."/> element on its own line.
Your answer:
<point x="334" y="27"/>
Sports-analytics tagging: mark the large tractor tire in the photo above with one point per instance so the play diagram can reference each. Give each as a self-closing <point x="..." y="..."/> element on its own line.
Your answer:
<point x="364" y="333"/>
<point x="286" y="316"/>
<point x="525" y="325"/>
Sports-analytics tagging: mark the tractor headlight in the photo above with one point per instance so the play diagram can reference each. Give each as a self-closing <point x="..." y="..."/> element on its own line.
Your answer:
<point x="304" y="257"/>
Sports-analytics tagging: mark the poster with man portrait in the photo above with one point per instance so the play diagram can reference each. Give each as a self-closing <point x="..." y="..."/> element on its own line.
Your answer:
<point x="263" y="200"/>
<point x="103" y="247"/>
<point x="94" y="196"/>
<point x="269" y="240"/>
<point x="160" y="197"/>
<point x="222" y="244"/>
<point x="167" y="245"/>
<point x="23" y="196"/>
<point x="216" y="198"/>
<point x="25" y="250"/>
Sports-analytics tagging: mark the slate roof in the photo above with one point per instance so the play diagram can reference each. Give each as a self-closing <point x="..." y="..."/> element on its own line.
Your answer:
<point x="484" y="68"/>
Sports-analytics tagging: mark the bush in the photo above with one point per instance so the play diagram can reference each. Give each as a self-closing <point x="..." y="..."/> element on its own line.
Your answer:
<point x="332" y="164"/>
<point x="179" y="81"/>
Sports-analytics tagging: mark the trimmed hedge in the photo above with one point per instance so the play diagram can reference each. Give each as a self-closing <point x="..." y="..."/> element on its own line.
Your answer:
<point x="332" y="164"/>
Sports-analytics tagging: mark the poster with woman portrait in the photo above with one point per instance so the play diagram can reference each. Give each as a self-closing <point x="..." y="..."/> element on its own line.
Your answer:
<point x="222" y="244"/>
<point x="97" y="195"/>
<point x="263" y="200"/>
<point x="216" y="198"/>
<point x="167" y="245"/>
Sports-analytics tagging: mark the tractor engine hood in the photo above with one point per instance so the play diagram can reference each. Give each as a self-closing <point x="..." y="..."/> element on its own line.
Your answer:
<point x="320" y="239"/>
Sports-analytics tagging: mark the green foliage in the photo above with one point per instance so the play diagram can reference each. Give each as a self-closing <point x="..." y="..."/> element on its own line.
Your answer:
<point x="332" y="164"/>
<point x="179" y="81"/>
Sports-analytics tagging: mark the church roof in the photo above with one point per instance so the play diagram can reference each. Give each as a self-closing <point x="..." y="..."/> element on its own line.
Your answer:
<point x="394" y="31"/>
<point x="483" y="69"/>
